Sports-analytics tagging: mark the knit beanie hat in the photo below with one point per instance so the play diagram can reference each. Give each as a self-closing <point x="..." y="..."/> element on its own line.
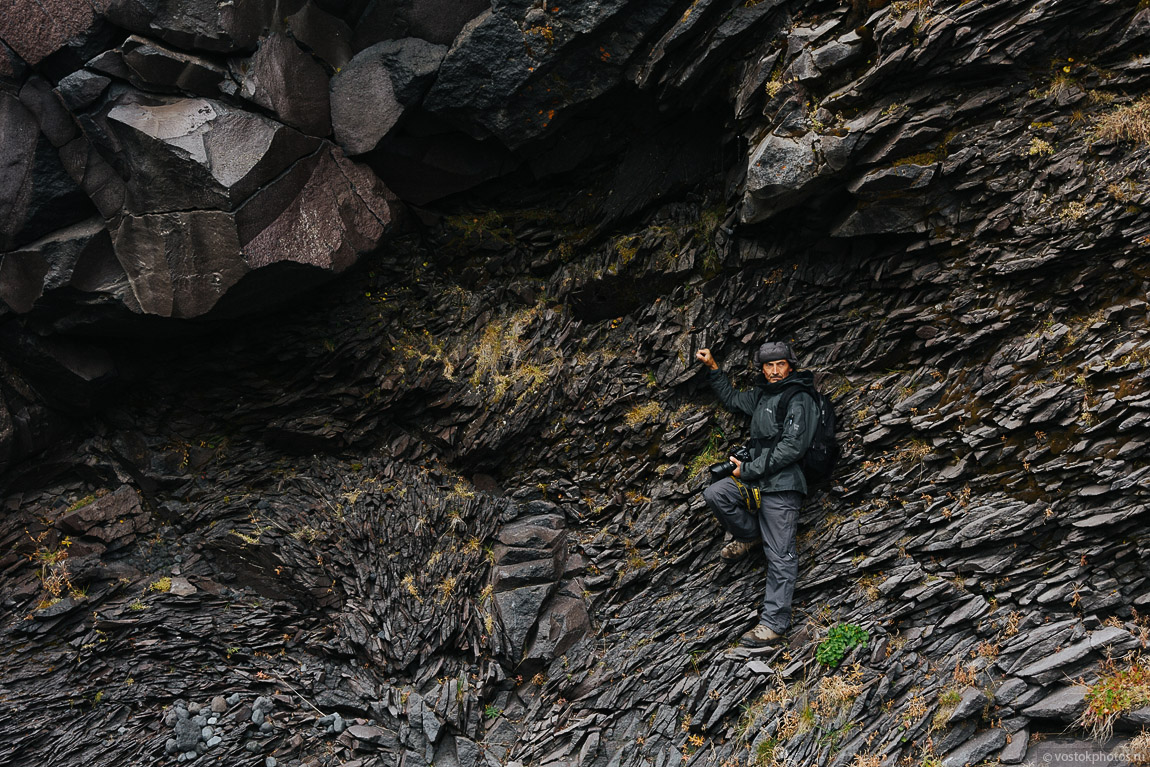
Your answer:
<point x="776" y="350"/>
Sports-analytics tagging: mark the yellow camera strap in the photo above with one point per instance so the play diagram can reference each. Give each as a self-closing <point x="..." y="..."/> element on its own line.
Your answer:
<point x="752" y="498"/>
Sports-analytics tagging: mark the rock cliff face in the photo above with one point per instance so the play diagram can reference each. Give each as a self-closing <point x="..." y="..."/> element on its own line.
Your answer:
<point x="444" y="509"/>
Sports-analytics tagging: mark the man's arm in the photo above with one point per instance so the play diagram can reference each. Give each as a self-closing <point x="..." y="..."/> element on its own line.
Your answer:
<point x="798" y="431"/>
<point x="735" y="401"/>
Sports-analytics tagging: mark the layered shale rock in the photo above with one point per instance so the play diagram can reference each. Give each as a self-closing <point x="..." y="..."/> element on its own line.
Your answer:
<point x="446" y="510"/>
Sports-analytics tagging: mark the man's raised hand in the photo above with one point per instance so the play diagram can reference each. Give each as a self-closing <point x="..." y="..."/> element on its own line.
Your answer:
<point x="704" y="356"/>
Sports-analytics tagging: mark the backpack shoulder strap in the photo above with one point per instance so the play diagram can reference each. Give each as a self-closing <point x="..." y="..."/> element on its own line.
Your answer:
<point x="788" y="396"/>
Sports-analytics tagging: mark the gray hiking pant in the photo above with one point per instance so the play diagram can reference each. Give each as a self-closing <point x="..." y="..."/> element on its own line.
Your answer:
<point x="775" y="524"/>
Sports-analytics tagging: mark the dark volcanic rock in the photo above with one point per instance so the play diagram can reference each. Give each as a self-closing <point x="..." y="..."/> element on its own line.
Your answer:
<point x="369" y="95"/>
<point x="437" y="21"/>
<point x="155" y="67"/>
<point x="289" y="83"/>
<point x="326" y="36"/>
<point x="36" y="194"/>
<point x="940" y="204"/>
<point x="179" y="264"/>
<point x="324" y="212"/>
<point x="197" y="153"/>
<point x="197" y="24"/>
<point x="34" y="30"/>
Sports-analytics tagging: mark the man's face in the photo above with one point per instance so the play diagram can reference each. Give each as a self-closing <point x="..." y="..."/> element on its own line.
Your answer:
<point x="776" y="370"/>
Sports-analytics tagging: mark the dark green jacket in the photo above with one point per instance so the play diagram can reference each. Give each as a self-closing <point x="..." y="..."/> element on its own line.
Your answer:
<point x="776" y="471"/>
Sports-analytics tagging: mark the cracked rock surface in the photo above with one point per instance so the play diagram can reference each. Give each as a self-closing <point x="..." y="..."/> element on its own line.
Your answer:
<point x="445" y="508"/>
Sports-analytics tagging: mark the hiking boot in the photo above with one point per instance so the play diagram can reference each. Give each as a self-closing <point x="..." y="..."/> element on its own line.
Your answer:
<point x="737" y="549"/>
<point x="761" y="635"/>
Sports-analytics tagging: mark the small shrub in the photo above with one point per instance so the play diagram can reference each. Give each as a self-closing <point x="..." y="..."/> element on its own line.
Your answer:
<point x="948" y="701"/>
<point x="163" y="585"/>
<point x="1039" y="148"/>
<point x="840" y="638"/>
<point x="446" y="588"/>
<point x="765" y="753"/>
<point x="1115" y="692"/>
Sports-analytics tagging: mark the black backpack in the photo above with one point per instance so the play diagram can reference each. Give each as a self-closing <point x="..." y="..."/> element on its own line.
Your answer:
<point x="818" y="464"/>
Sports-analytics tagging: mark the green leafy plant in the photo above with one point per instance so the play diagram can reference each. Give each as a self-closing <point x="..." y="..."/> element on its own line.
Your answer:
<point x="840" y="638"/>
<point x="1117" y="691"/>
<point x="491" y="711"/>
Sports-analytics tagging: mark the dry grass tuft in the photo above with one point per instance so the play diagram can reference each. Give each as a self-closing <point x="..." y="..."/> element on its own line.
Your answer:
<point x="1130" y="122"/>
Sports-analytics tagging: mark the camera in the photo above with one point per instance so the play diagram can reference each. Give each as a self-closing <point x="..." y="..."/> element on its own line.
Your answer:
<point x="726" y="468"/>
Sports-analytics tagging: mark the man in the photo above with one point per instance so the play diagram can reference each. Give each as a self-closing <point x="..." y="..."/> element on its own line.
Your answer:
<point x="774" y="469"/>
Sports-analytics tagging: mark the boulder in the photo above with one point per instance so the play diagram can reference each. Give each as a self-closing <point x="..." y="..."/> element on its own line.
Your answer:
<point x="156" y="67"/>
<point x="327" y="37"/>
<point x="79" y="256"/>
<point x="292" y="84"/>
<point x="17" y="157"/>
<point x="181" y="263"/>
<point x="36" y="192"/>
<point x="325" y="212"/>
<point x="95" y="175"/>
<point x="518" y="609"/>
<point x="34" y="29"/>
<point x="489" y="50"/>
<point x="437" y="21"/>
<point x="370" y="94"/>
<point x="780" y="171"/>
<point x="48" y="107"/>
<point x="22" y="279"/>
<point x="81" y="89"/>
<point x="195" y="24"/>
<point x="197" y="153"/>
<point x="562" y="624"/>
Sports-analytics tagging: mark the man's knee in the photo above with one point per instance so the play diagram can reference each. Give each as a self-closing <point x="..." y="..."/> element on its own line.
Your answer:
<point x="717" y="495"/>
